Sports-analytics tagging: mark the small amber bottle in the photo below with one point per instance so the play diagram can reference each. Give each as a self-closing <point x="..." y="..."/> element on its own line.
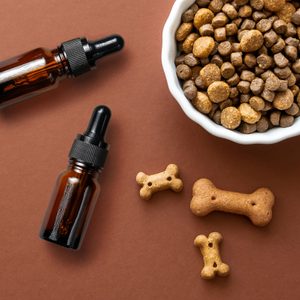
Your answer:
<point x="77" y="188"/>
<point x="39" y="70"/>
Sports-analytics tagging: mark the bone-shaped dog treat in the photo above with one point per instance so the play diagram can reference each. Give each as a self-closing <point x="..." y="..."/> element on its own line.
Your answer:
<point x="256" y="206"/>
<point x="209" y="248"/>
<point x="165" y="180"/>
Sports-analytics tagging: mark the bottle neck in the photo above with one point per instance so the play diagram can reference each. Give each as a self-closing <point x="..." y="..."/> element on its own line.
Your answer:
<point x="81" y="168"/>
<point x="62" y="61"/>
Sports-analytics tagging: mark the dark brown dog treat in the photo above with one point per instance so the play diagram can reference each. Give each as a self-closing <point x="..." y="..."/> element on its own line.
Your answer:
<point x="291" y="30"/>
<point x="268" y="95"/>
<point x="241" y="2"/>
<point x="296" y="18"/>
<point x="270" y="38"/>
<point x="191" y="60"/>
<point x="291" y="52"/>
<point x="241" y="68"/>
<point x="283" y="86"/>
<point x="243" y="87"/>
<point x="286" y="121"/>
<point x="236" y="59"/>
<point x="272" y="83"/>
<point x="216" y="5"/>
<point x="275" y="118"/>
<point x="217" y="117"/>
<point x="203" y="3"/>
<point x="179" y="60"/>
<point x="250" y="60"/>
<point x="187" y="84"/>
<point x="298" y="99"/>
<point x="230" y="11"/>
<point x="233" y="93"/>
<point x="195" y="72"/>
<point x="280" y="60"/>
<point x="234" y="80"/>
<point x="225" y="104"/>
<point x="245" y="11"/>
<point x="227" y="70"/>
<point x="220" y="20"/>
<point x="283" y="73"/>
<point x="215" y="50"/>
<point x="190" y="92"/>
<point x="199" y="83"/>
<point x="206" y="30"/>
<point x="188" y="16"/>
<point x="209" y="74"/>
<point x="257" y="103"/>
<point x="217" y="60"/>
<point x="252" y="41"/>
<point x="292" y="41"/>
<point x="204" y="61"/>
<point x="263" y="50"/>
<point x="259" y="71"/>
<point x="258" y="15"/>
<point x="244" y="98"/>
<point x="293" y="110"/>
<point x="273" y="19"/>
<point x="247" y="75"/>
<point x="296" y="66"/>
<point x="266" y="74"/>
<point x="214" y="108"/>
<point x="264" y="25"/>
<point x="279" y="46"/>
<point x="248" y="24"/>
<point x="295" y="90"/>
<point x="184" y="72"/>
<point x="257" y="86"/>
<point x="283" y="100"/>
<point x="237" y="21"/>
<point x="224" y="48"/>
<point x="262" y="125"/>
<point x="257" y="4"/>
<point x="280" y="26"/>
<point x="268" y="107"/>
<point x="220" y="34"/>
<point x="291" y="80"/>
<point x="247" y="128"/>
<point x="231" y="29"/>
<point x="236" y="47"/>
<point x="218" y="91"/>
<point x="264" y="61"/>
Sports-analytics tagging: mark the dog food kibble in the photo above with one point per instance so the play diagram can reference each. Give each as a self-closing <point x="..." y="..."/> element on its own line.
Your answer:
<point x="238" y="62"/>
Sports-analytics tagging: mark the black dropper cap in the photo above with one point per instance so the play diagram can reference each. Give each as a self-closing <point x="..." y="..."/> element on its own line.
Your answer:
<point x="91" y="148"/>
<point x="82" y="54"/>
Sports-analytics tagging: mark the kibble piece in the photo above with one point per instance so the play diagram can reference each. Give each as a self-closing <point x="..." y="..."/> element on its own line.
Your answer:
<point x="209" y="74"/>
<point x="241" y="2"/>
<point x="275" y="118"/>
<point x="287" y="12"/>
<point x="292" y="41"/>
<point x="252" y="41"/>
<point x="203" y="46"/>
<point x="230" y="11"/>
<point x="220" y="34"/>
<point x="263" y="50"/>
<point x="191" y="60"/>
<point x="283" y="86"/>
<point x="213" y="110"/>
<point x="248" y="25"/>
<point x="230" y="118"/>
<point x="259" y="71"/>
<point x="183" y="31"/>
<point x="264" y="61"/>
<point x="190" y="92"/>
<point x="220" y="20"/>
<point x="295" y="90"/>
<point x="279" y="46"/>
<point x="244" y="98"/>
<point x="202" y="103"/>
<point x="286" y="121"/>
<point x="216" y="5"/>
<point x="199" y="83"/>
<point x="248" y="114"/>
<point x="225" y="104"/>
<point x="245" y="11"/>
<point x="283" y="100"/>
<point x="237" y="21"/>
<point x="265" y="75"/>
<point x="206" y="30"/>
<point x="243" y="87"/>
<point x="280" y="26"/>
<point x="257" y="4"/>
<point x="247" y="128"/>
<point x="283" y="73"/>
<point x="296" y="66"/>
<point x="236" y="47"/>
<point x="233" y="92"/>
<point x="204" y="61"/>
<point x="274" y="5"/>
<point x="268" y="95"/>
<point x="270" y="38"/>
<point x="188" y="16"/>
<point x="236" y="59"/>
<point x="218" y="91"/>
<point x="224" y="48"/>
<point x="183" y="72"/>
<point x="272" y="83"/>
<point x="257" y="86"/>
<point x="179" y="60"/>
<point x="187" y="84"/>
<point x="217" y="60"/>
<point x="234" y="80"/>
<point x="268" y="106"/>
<point x="293" y="110"/>
<point x="280" y="60"/>
<point x="217" y="117"/>
<point x="203" y="16"/>
<point x="247" y="75"/>
<point x="227" y="70"/>
<point x="241" y="33"/>
<point x="257" y="103"/>
<point x="296" y="17"/>
<point x="195" y="6"/>
<point x="231" y="29"/>
<point x="262" y="125"/>
<point x="195" y="72"/>
<point x="291" y="52"/>
<point x="291" y="80"/>
<point x="187" y="45"/>
<point x="264" y="25"/>
<point x="258" y="15"/>
<point x="250" y="60"/>
<point x="291" y="30"/>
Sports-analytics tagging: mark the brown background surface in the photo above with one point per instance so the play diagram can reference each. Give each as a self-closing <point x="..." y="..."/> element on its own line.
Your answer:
<point x="133" y="249"/>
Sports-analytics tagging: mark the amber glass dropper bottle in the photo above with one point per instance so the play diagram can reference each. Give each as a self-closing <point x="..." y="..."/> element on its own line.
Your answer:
<point x="39" y="70"/>
<point x="77" y="188"/>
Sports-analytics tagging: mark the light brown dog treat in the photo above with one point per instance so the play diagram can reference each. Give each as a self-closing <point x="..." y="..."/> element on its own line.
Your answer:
<point x="217" y="60"/>
<point x="237" y="21"/>
<point x="279" y="46"/>
<point x="209" y="74"/>
<point x="257" y="103"/>
<point x="243" y="87"/>
<point x="250" y="60"/>
<point x="256" y="206"/>
<point x="203" y="46"/>
<point x="165" y="180"/>
<point x="268" y="95"/>
<point x="224" y="48"/>
<point x="286" y="121"/>
<point x="257" y="4"/>
<point x="234" y="80"/>
<point x="183" y="72"/>
<point x="280" y="60"/>
<point x="292" y="41"/>
<point x="258" y="15"/>
<point x="265" y="75"/>
<point x="283" y="73"/>
<point x="291" y="52"/>
<point x="271" y="38"/>
<point x="247" y="128"/>
<point x="244" y="98"/>
<point x="283" y="100"/>
<point x="230" y="11"/>
<point x="263" y="50"/>
<point x="291" y="80"/>
<point x="252" y="41"/>
<point x="245" y="11"/>
<point x="248" y="114"/>
<point x="236" y="47"/>
<point x="264" y="61"/>
<point x="183" y="31"/>
<point x="293" y="110"/>
<point x="206" y="30"/>
<point x="202" y="103"/>
<point x="274" y="5"/>
<point x="262" y="125"/>
<point x="187" y="84"/>
<point x="216" y="5"/>
<point x="203" y="16"/>
<point x="273" y="83"/>
<point x="248" y="25"/>
<point x="227" y="70"/>
<point x="220" y="34"/>
<point x="275" y="118"/>
<point x="247" y="75"/>
<point x="236" y="59"/>
<point x="283" y="86"/>
<point x="280" y="26"/>
<point x="220" y="20"/>
<point x="287" y="12"/>
<point x="295" y="90"/>
<point x="187" y="45"/>
<point x="230" y="117"/>
<point x="218" y="91"/>
<point x="257" y="86"/>
<point x="213" y="264"/>
<point x="264" y="25"/>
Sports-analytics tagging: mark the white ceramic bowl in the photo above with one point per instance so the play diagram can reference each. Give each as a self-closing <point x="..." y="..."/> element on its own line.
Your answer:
<point x="169" y="52"/>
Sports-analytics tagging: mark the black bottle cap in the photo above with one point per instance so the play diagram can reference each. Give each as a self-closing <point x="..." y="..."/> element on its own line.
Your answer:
<point x="90" y="148"/>
<point x="82" y="54"/>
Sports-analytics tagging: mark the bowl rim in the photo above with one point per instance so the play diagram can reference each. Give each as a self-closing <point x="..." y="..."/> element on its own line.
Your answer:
<point x="168" y="53"/>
